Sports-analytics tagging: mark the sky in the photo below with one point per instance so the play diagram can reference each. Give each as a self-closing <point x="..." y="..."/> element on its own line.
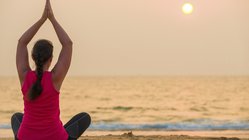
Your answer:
<point x="136" y="37"/>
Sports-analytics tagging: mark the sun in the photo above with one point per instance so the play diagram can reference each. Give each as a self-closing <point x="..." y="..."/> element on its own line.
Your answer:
<point x="187" y="8"/>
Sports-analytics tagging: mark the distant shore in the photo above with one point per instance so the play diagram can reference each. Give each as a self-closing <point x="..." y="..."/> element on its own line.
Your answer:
<point x="156" y="135"/>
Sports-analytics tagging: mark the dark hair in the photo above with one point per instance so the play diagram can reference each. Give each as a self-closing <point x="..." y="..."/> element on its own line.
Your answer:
<point x="41" y="53"/>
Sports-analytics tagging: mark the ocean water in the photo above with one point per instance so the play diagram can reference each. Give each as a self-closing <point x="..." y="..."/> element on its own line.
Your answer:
<point x="146" y="102"/>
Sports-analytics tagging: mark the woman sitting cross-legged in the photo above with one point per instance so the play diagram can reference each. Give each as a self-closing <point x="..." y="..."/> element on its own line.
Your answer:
<point x="40" y="88"/>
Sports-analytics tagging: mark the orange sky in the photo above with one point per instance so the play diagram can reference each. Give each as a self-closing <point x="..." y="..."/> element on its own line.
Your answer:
<point x="137" y="37"/>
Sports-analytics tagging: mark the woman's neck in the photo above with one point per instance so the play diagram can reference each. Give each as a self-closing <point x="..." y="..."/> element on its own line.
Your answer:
<point x="46" y="67"/>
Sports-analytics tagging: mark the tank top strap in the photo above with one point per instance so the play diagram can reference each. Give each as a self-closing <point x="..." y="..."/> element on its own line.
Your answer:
<point x="47" y="80"/>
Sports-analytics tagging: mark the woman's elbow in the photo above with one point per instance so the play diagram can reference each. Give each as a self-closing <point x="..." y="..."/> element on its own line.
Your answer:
<point x="68" y="43"/>
<point x="22" y="42"/>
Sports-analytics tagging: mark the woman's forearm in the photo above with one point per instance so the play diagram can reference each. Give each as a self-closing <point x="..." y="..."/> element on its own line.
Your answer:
<point x="30" y="33"/>
<point x="61" y="33"/>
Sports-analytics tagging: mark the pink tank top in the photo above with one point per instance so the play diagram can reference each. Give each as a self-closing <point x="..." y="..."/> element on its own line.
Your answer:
<point x="41" y="120"/>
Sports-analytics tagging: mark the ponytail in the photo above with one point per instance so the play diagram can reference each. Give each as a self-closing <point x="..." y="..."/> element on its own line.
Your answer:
<point x="41" y="53"/>
<point x="36" y="89"/>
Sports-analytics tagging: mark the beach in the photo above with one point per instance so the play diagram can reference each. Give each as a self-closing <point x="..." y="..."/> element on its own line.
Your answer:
<point x="149" y="138"/>
<point x="152" y="107"/>
<point x="161" y="135"/>
<point x="139" y="69"/>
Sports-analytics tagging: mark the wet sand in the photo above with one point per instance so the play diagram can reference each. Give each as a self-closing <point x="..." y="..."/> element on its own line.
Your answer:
<point x="162" y="135"/>
<point x="173" y="135"/>
<point x="121" y="137"/>
<point x="181" y="137"/>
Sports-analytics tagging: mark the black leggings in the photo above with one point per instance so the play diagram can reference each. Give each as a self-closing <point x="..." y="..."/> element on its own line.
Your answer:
<point x="75" y="127"/>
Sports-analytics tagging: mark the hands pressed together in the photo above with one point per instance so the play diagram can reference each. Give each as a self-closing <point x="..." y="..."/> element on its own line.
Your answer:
<point x="48" y="12"/>
<point x="64" y="61"/>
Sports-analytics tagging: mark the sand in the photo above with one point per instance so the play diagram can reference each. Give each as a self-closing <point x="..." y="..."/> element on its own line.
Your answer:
<point x="158" y="135"/>
<point x="127" y="137"/>
<point x="182" y="137"/>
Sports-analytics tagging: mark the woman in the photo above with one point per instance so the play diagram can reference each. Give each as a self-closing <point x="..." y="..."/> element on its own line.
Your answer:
<point x="40" y="88"/>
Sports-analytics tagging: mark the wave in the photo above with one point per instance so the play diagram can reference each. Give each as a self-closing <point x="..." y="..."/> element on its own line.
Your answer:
<point x="194" y="125"/>
<point x="5" y="126"/>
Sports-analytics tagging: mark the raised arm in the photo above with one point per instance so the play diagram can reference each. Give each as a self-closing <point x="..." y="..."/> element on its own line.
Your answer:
<point x="22" y="61"/>
<point x="61" y="67"/>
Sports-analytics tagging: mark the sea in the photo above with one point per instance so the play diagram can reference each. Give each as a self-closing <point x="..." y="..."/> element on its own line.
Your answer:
<point x="165" y="103"/>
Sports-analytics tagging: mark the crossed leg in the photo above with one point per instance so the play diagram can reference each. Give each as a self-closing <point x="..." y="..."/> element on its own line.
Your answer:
<point x="16" y="121"/>
<point x="74" y="127"/>
<point x="77" y="125"/>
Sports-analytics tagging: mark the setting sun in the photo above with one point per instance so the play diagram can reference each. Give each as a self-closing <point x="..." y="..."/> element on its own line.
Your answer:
<point x="187" y="8"/>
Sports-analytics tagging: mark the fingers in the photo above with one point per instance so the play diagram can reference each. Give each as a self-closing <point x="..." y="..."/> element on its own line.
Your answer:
<point x="50" y="11"/>
<point x="46" y="6"/>
<point x="48" y="1"/>
<point x="49" y="4"/>
<point x="45" y="13"/>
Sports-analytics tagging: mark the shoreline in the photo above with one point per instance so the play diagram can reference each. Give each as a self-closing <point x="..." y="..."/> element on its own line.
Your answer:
<point x="144" y="135"/>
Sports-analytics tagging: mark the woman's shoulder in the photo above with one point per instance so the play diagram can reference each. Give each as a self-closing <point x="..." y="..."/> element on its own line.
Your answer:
<point x="29" y="74"/>
<point x="28" y="80"/>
